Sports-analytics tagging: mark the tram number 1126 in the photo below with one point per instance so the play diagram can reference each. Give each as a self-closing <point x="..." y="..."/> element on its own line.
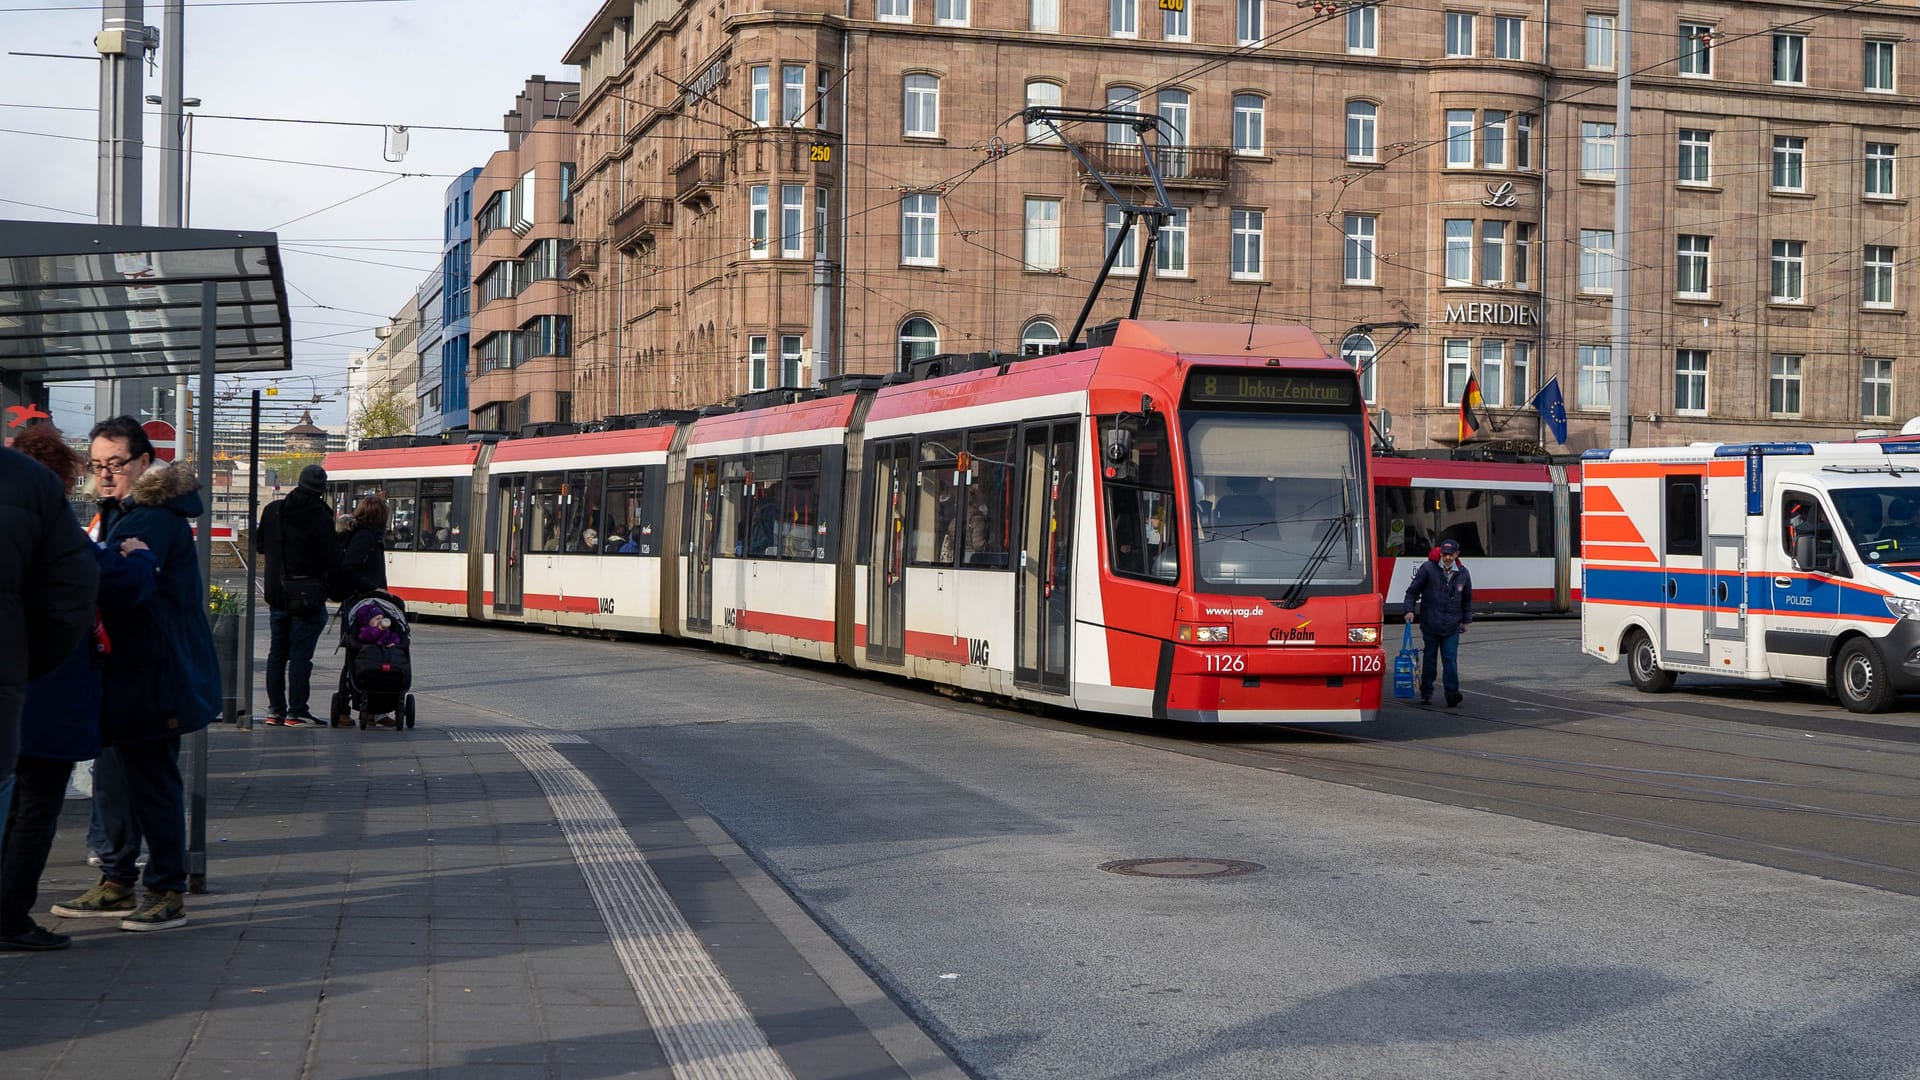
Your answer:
<point x="1227" y="662"/>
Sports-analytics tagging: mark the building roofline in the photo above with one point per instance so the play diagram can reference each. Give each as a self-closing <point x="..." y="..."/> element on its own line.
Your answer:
<point x="601" y="22"/>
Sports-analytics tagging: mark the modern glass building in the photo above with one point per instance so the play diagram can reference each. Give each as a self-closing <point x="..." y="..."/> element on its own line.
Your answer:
<point x="445" y="303"/>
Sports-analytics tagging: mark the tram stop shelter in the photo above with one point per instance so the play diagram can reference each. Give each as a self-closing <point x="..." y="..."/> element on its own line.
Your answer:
<point x="84" y="301"/>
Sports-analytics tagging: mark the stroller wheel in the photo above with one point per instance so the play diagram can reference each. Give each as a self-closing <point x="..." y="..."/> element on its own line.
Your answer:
<point x="336" y="711"/>
<point x="407" y="714"/>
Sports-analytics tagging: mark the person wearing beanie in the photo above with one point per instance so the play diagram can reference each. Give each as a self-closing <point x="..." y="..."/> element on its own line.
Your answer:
<point x="1441" y="594"/>
<point x="298" y="553"/>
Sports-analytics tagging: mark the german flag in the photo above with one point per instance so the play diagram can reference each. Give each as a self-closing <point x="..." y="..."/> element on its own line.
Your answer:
<point x="1470" y="406"/>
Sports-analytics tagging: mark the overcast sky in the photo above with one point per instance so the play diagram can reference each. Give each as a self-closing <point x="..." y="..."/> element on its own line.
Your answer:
<point x="415" y="62"/>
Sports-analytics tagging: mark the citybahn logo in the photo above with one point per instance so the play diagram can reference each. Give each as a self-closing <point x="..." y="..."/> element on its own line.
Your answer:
<point x="1299" y="635"/>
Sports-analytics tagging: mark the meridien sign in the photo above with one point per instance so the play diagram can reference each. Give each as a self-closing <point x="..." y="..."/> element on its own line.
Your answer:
<point x="1496" y="314"/>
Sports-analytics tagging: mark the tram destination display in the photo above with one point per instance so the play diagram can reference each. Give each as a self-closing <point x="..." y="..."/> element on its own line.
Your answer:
<point x="1269" y="388"/>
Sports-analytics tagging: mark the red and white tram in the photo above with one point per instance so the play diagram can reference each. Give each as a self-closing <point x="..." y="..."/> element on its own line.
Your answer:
<point x="1517" y="524"/>
<point x="1173" y="523"/>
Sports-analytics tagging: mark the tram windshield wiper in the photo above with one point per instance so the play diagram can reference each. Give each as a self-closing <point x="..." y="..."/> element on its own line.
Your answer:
<point x="1336" y="528"/>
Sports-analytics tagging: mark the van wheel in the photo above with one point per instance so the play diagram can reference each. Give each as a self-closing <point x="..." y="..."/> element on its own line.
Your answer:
<point x="1643" y="665"/>
<point x="1860" y="679"/>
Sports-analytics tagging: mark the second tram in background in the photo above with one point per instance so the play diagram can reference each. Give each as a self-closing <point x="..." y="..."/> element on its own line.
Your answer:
<point x="1174" y="522"/>
<point x="1517" y="524"/>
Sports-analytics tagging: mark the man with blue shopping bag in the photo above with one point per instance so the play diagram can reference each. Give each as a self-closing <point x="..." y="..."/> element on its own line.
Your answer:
<point x="1442" y="594"/>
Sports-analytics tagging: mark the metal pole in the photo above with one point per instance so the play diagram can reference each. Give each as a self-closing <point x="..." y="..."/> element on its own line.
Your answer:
<point x="121" y="43"/>
<point x="172" y="93"/>
<point x="822" y="310"/>
<point x="253" y="562"/>
<point x="1619" y="405"/>
<point x="197" y="742"/>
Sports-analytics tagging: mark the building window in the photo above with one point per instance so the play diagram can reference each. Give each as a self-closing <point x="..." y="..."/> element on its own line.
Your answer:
<point x="793" y="229"/>
<point x="1696" y="50"/>
<point x="1876" y="388"/>
<point x="919" y="230"/>
<point x="1363" y="30"/>
<point x="1507" y="41"/>
<point x="822" y="89"/>
<point x="1789" y="271"/>
<point x="1249" y="124"/>
<point x="1520" y="370"/>
<point x="1128" y="260"/>
<point x="1459" y="251"/>
<point x="1246" y="260"/>
<point x="1695" y="256"/>
<point x="1039" y="338"/>
<point x="546" y="335"/>
<point x="1879" y="66"/>
<point x="1043" y="95"/>
<point x="1123" y="99"/>
<point x="950" y="12"/>
<point x="566" y="192"/>
<point x="760" y="102"/>
<point x="757" y="220"/>
<point x="1596" y="151"/>
<point x="1045" y="16"/>
<point x="1596" y="373"/>
<point x="1789" y="163"/>
<point x="1493" y="253"/>
<point x="1043" y="234"/>
<point x="1175" y="109"/>
<point x="1493" y="138"/>
<point x="1596" y="260"/>
<point x="1876" y="278"/>
<point x="1358" y="262"/>
<point x="1783" y="384"/>
<point x="790" y="355"/>
<point x="1690" y="381"/>
<point x="1790" y="59"/>
<point x="1170" y="254"/>
<point x="1523" y="254"/>
<point x="1362" y="132"/>
<point x="1493" y="370"/>
<point x="1359" y="350"/>
<point x="895" y="10"/>
<point x="1696" y="156"/>
<point x="918" y="340"/>
<point x="1600" y="31"/>
<point x="1456" y="362"/>
<point x="1249" y="20"/>
<point x="1879" y="175"/>
<point x="922" y="106"/>
<point x="793" y="92"/>
<point x="1175" y="23"/>
<point x="1459" y="138"/>
<point x="1459" y="33"/>
<point x="1123" y="18"/>
<point x="757" y="362"/>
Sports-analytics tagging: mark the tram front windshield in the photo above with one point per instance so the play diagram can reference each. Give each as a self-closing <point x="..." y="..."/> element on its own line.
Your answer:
<point x="1278" y="498"/>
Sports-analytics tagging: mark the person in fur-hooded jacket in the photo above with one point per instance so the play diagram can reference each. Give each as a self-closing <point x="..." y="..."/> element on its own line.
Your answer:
<point x="161" y="681"/>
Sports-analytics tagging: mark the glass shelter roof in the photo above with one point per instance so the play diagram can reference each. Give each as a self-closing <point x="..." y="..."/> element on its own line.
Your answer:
<point x="117" y="301"/>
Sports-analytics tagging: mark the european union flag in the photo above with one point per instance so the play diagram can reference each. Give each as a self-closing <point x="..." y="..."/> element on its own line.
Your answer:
<point x="1553" y="409"/>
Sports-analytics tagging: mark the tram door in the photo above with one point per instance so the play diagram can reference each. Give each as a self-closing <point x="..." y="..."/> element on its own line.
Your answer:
<point x="887" y="566"/>
<point x="703" y="523"/>
<point x="1043" y="616"/>
<point x="509" y="558"/>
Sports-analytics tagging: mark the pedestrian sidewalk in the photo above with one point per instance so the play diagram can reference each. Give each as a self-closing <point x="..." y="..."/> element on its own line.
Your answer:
<point x="466" y="899"/>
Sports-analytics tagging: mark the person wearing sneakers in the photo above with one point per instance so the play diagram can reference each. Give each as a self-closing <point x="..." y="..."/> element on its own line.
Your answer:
<point x="297" y="544"/>
<point x="160" y="682"/>
<point x="1442" y="593"/>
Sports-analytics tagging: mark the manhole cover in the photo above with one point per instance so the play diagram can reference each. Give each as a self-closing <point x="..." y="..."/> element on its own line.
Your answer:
<point x="1200" y="869"/>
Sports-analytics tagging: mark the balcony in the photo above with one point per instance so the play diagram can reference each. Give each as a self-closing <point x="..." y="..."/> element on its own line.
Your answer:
<point x="700" y="173"/>
<point x="1192" y="168"/>
<point x="583" y="259"/>
<point x="640" y="220"/>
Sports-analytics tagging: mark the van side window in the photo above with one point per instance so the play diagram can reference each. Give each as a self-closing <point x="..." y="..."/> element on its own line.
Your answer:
<point x="1800" y="515"/>
<point x="1683" y="514"/>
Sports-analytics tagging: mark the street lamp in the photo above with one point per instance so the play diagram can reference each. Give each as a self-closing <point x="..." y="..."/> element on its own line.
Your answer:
<point x="186" y="155"/>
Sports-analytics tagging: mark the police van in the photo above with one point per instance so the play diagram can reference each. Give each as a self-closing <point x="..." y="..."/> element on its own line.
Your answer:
<point x="1791" y="561"/>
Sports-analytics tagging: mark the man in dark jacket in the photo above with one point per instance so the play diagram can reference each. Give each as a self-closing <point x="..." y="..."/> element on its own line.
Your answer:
<point x="160" y="682"/>
<point x="1442" y="593"/>
<point x="47" y="584"/>
<point x="296" y="540"/>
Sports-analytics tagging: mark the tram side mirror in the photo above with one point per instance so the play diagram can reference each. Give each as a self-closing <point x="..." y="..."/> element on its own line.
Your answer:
<point x="1146" y="405"/>
<point x="1119" y="444"/>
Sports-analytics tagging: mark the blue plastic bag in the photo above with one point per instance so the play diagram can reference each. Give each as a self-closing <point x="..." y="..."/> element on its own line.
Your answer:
<point x="1404" y="667"/>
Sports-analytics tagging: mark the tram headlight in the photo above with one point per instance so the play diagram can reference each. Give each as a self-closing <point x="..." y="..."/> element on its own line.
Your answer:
<point x="1902" y="607"/>
<point x="1363" y="635"/>
<point x="1205" y="635"/>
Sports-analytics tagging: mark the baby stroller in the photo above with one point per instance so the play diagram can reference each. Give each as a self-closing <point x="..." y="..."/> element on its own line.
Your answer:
<point x="378" y="675"/>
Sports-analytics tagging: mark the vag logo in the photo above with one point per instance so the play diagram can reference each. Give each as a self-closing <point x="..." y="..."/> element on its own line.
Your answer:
<point x="730" y="618"/>
<point x="606" y="605"/>
<point x="977" y="651"/>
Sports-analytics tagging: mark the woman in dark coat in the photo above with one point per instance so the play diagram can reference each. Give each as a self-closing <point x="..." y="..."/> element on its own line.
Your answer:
<point x="364" y="566"/>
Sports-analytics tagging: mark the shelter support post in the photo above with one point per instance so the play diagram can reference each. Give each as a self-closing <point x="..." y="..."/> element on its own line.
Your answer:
<point x="197" y="742"/>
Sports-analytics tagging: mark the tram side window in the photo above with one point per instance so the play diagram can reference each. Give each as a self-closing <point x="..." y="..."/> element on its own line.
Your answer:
<point x="1400" y="514"/>
<point x="546" y="513"/>
<point x="989" y="500"/>
<point x="625" y="533"/>
<point x="586" y="526"/>
<point x="439" y="529"/>
<point x="731" y="536"/>
<point x="340" y="498"/>
<point x="1139" y="498"/>
<point x="766" y="490"/>
<point x="936" y="515"/>
<point x="1516" y="523"/>
<point x="801" y="536"/>
<point x="1461" y="516"/>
